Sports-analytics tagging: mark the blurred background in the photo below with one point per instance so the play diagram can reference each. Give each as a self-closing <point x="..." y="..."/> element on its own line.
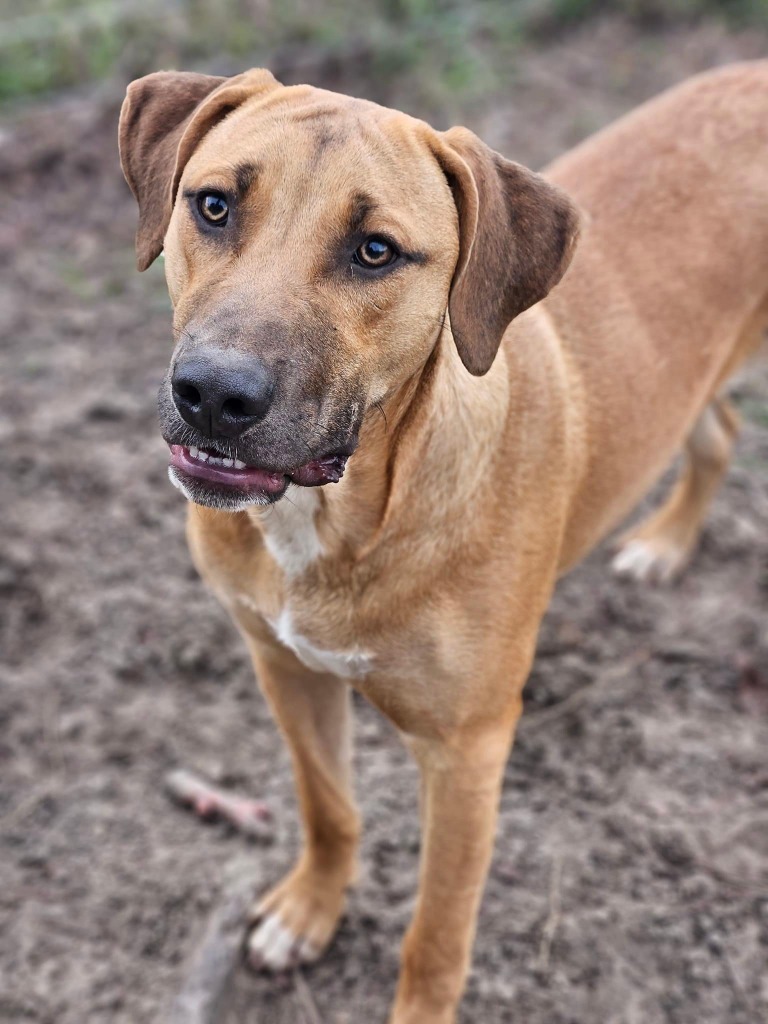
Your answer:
<point x="630" y="882"/>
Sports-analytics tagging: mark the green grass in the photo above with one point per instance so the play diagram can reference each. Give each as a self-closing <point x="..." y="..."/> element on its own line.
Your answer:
<point x="735" y="12"/>
<point x="454" y="44"/>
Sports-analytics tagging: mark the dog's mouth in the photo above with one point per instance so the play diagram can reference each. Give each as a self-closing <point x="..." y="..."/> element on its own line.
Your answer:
<point x="201" y="470"/>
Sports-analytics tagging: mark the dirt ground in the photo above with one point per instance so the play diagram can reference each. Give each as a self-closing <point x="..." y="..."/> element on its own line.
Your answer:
<point x="630" y="881"/>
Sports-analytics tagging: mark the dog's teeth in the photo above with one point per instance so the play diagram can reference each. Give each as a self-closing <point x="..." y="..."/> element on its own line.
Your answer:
<point x="194" y="453"/>
<point x="203" y="456"/>
<point x="239" y="464"/>
<point x="228" y="462"/>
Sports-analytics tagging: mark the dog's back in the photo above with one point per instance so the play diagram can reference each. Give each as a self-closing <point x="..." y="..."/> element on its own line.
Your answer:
<point x="668" y="290"/>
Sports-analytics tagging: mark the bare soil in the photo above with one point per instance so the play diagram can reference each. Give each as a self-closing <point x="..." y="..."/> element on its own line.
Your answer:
<point x="630" y="882"/>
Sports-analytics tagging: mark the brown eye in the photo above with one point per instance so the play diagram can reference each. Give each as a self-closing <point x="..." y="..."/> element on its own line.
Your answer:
<point x="213" y="207"/>
<point x="375" y="252"/>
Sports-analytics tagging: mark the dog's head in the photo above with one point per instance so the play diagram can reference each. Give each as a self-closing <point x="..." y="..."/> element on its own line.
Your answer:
<point x="313" y="246"/>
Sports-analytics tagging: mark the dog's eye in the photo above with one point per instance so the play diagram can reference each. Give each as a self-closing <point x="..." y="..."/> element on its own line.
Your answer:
<point x="213" y="207"/>
<point x="375" y="252"/>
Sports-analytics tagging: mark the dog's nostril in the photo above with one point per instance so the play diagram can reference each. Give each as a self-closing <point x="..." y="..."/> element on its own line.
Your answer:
<point x="189" y="393"/>
<point x="235" y="408"/>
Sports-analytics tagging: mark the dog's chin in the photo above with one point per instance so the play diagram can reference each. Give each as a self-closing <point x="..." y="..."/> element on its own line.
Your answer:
<point x="221" y="497"/>
<point x="232" y="486"/>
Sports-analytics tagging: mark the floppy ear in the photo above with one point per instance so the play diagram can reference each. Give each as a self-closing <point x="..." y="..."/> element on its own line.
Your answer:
<point x="164" y="117"/>
<point x="517" y="234"/>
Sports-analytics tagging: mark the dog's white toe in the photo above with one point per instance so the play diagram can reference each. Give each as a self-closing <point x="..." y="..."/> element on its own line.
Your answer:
<point x="645" y="561"/>
<point x="274" y="947"/>
<point x="308" y="952"/>
<point x="634" y="560"/>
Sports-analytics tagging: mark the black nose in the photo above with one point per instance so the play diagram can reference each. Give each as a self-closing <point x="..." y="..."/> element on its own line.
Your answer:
<point x="222" y="393"/>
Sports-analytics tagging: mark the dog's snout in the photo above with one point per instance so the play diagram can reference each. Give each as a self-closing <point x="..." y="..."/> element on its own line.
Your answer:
<point x="222" y="394"/>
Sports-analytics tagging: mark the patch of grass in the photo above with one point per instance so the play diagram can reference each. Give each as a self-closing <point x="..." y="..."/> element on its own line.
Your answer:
<point x="450" y="44"/>
<point x="545" y="16"/>
<point x="453" y="45"/>
<point x="445" y="43"/>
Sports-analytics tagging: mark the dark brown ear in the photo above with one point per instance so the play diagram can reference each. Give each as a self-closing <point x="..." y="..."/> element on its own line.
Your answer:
<point x="517" y="234"/>
<point x="164" y="117"/>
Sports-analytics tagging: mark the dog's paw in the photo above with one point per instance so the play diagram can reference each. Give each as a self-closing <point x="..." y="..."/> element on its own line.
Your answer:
<point x="650" y="560"/>
<point x="294" y="923"/>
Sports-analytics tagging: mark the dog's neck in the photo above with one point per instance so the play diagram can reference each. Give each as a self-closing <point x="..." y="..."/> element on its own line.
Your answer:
<point x="420" y="447"/>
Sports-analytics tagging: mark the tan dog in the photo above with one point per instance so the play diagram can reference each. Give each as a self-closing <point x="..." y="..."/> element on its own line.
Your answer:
<point x="348" y="282"/>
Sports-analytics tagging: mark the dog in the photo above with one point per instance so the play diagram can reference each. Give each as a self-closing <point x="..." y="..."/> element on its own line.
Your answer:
<point x="361" y="300"/>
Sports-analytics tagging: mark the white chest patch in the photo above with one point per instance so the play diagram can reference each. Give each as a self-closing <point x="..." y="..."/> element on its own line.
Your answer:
<point x="290" y="533"/>
<point x="348" y="664"/>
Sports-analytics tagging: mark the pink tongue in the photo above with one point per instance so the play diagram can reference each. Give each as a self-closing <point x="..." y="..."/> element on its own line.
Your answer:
<point x="247" y="479"/>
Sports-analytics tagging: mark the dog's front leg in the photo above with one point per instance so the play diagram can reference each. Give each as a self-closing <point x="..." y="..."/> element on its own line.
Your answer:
<point x="295" y="921"/>
<point x="461" y="782"/>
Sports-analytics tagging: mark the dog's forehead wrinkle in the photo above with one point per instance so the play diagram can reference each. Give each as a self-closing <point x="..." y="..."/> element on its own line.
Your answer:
<point x="301" y="122"/>
<point x="245" y="173"/>
<point x="361" y="207"/>
<point x="326" y="137"/>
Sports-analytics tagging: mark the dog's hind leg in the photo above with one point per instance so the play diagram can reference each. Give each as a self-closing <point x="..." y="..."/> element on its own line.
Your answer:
<point x="660" y="548"/>
<point x="296" y="920"/>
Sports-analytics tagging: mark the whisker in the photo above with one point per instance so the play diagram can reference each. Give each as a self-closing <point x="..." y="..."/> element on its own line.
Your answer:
<point x="380" y="407"/>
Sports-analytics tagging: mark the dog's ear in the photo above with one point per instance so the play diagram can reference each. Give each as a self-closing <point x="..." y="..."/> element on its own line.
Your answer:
<point x="164" y="117"/>
<point x="516" y="237"/>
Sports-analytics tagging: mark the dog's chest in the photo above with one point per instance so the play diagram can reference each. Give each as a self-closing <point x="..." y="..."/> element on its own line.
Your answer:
<point x="290" y="531"/>
<point x="348" y="663"/>
<point x="291" y="538"/>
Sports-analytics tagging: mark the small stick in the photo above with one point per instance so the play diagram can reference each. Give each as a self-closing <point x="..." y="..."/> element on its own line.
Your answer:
<point x="306" y="1000"/>
<point x="553" y="918"/>
<point x="604" y="680"/>
<point x="214" y="961"/>
<point x="29" y="803"/>
<point x="739" y="991"/>
<point x="251" y="817"/>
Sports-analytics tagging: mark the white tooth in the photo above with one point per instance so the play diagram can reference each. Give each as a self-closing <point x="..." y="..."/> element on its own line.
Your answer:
<point x="239" y="464"/>
<point x="203" y="456"/>
<point x="194" y="453"/>
<point x="228" y="462"/>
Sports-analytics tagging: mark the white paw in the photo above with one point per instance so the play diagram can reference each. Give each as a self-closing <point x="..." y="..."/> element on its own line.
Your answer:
<point x="648" y="562"/>
<point x="274" y="947"/>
